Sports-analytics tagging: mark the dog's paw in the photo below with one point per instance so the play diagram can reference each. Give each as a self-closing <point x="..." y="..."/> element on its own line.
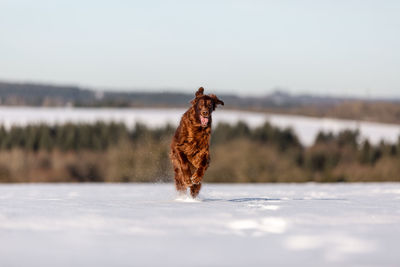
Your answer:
<point x="195" y="179"/>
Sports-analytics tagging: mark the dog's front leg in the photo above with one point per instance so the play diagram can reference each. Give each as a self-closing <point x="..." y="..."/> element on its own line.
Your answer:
<point x="184" y="164"/>
<point x="199" y="173"/>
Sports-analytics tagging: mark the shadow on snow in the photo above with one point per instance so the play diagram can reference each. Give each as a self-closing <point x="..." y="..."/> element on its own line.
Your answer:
<point x="254" y="199"/>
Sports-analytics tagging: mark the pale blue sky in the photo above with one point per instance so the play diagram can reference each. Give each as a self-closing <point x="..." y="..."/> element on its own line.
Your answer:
<point x="247" y="47"/>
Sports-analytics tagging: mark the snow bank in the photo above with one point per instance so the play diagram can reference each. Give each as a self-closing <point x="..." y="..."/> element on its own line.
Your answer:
<point x="229" y="225"/>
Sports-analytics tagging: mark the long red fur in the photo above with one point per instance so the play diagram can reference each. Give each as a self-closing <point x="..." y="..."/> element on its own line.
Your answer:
<point x="190" y="146"/>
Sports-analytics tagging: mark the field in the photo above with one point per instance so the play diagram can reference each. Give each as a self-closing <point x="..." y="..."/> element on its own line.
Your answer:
<point x="306" y="128"/>
<point x="230" y="225"/>
<point x="132" y="145"/>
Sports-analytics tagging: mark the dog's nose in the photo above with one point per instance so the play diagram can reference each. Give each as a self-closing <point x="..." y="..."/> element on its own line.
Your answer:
<point x="204" y="113"/>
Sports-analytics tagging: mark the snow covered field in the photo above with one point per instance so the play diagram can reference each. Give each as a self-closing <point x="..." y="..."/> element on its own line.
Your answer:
<point x="305" y="127"/>
<point x="231" y="225"/>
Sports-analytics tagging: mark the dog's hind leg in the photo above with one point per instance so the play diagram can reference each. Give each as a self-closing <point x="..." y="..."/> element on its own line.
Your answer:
<point x="195" y="190"/>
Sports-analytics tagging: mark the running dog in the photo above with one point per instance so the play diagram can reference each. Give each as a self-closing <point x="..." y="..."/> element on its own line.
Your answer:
<point x="190" y="147"/>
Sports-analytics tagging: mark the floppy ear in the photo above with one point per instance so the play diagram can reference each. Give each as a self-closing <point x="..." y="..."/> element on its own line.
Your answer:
<point x="199" y="93"/>
<point x="216" y="100"/>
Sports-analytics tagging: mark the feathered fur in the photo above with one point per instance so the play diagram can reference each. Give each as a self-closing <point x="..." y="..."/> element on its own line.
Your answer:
<point x="190" y="145"/>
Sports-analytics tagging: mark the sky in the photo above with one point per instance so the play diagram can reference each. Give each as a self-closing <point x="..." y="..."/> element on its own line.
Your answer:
<point x="347" y="48"/>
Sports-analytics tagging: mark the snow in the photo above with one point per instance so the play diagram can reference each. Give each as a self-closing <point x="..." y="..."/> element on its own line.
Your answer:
<point x="229" y="225"/>
<point x="305" y="127"/>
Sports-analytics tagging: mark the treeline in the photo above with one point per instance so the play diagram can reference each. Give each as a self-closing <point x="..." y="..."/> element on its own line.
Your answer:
<point x="97" y="137"/>
<point x="110" y="152"/>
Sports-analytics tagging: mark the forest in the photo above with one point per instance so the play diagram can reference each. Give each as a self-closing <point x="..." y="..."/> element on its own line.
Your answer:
<point x="110" y="152"/>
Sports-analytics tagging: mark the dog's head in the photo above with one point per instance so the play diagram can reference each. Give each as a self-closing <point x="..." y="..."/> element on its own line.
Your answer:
<point x="204" y="105"/>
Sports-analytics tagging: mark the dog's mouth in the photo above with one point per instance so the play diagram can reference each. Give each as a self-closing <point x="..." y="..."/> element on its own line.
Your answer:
<point x="204" y="121"/>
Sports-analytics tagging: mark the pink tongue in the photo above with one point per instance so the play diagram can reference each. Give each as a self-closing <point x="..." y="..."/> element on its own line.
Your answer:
<point x="204" y="121"/>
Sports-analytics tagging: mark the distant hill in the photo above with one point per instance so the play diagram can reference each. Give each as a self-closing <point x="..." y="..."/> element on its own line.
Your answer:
<point x="31" y="94"/>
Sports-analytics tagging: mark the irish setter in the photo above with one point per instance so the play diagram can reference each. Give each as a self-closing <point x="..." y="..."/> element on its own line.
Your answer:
<point x="190" y="153"/>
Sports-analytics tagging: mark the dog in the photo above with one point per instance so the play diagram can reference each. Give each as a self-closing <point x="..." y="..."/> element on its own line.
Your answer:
<point x="190" y="154"/>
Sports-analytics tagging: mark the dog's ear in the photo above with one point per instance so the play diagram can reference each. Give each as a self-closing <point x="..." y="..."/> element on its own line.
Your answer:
<point x="216" y="100"/>
<point x="198" y="94"/>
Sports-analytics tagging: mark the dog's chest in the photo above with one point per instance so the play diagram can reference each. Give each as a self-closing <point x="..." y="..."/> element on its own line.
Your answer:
<point x="197" y="144"/>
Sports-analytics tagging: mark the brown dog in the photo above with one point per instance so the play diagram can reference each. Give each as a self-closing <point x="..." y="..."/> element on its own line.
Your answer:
<point x="190" y="153"/>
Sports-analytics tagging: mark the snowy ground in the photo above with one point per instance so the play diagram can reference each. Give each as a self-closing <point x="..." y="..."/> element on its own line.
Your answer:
<point x="231" y="225"/>
<point x="305" y="127"/>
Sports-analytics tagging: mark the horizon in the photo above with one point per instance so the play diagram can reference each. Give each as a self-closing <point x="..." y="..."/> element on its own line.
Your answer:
<point x="236" y="47"/>
<point x="171" y="90"/>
